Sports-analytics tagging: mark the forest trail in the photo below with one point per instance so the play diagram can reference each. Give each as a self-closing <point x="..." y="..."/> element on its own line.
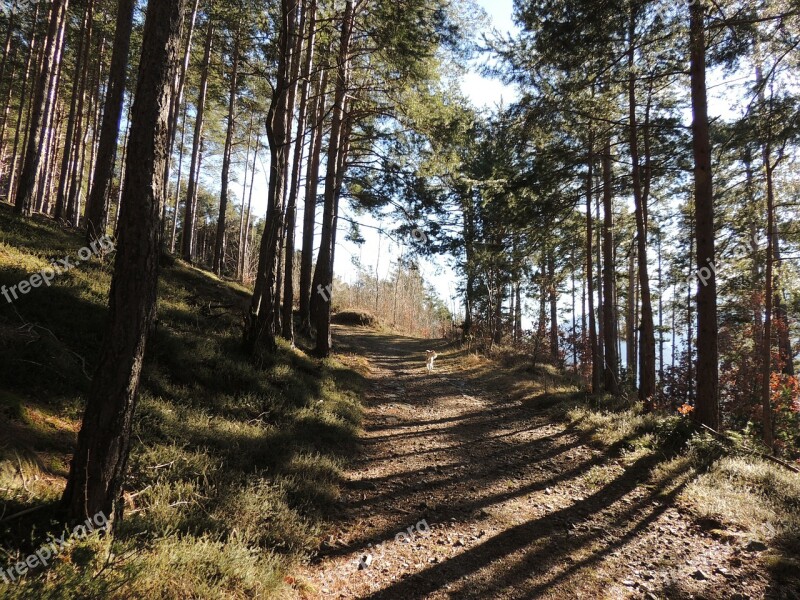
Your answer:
<point x="468" y="488"/>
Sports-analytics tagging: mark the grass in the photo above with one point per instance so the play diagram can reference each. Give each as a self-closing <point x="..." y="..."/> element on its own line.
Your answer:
<point x="730" y="492"/>
<point x="734" y="493"/>
<point x="234" y="470"/>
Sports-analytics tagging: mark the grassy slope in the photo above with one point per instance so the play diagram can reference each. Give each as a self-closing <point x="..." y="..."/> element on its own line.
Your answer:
<point x="729" y="491"/>
<point x="233" y="468"/>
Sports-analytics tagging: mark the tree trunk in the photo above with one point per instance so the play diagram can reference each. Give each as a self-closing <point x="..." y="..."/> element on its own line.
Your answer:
<point x="611" y="373"/>
<point x="9" y="55"/>
<point x="707" y="403"/>
<point x="29" y="62"/>
<point x="310" y="207"/>
<point x="323" y="277"/>
<point x="178" y="183"/>
<point x="260" y="331"/>
<point x="249" y="204"/>
<point x="190" y="214"/>
<point x="593" y="345"/>
<point x="176" y="99"/>
<point x="100" y="460"/>
<point x="291" y="207"/>
<point x="74" y="146"/>
<point x="647" y="339"/>
<point x="97" y="204"/>
<point x="26" y="192"/>
<point x="240" y="247"/>
<point x="551" y="275"/>
<point x="630" y="320"/>
<point x="219" y="245"/>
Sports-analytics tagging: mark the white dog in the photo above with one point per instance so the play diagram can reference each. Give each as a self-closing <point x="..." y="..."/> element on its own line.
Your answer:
<point x="431" y="357"/>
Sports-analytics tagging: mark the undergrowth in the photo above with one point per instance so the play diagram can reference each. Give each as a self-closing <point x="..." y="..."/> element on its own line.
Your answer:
<point x="233" y="471"/>
<point x="724" y="485"/>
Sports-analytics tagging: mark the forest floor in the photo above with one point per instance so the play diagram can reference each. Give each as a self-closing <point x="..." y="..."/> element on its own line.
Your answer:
<point x="470" y="483"/>
<point x="360" y="476"/>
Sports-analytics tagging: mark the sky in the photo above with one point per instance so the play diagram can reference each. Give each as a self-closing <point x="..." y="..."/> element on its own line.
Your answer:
<point x="381" y="251"/>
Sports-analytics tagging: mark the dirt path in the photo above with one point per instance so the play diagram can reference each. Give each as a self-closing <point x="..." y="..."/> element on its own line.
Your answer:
<point x="468" y="492"/>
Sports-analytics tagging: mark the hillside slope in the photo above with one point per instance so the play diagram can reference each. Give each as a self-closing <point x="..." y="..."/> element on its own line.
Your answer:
<point x="233" y="470"/>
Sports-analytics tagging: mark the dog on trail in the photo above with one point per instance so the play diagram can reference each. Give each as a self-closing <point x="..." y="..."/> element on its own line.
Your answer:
<point x="431" y="354"/>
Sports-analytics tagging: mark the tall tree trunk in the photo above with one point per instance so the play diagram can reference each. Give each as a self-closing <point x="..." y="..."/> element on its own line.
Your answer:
<point x="9" y="56"/>
<point x="100" y="460"/>
<point x="43" y="198"/>
<point x="26" y="192"/>
<point x="660" y="311"/>
<point x="298" y="26"/>
<point x="97" y="204"/>
<point x="310" y="206"/>
<point x="178" y="183"/>
<point x="611" y="373"/>
<point x="323" y="276"/>
<point x="97" y="107"/>
<point x="219" y="245"/>
<point x="249" y="214"/>
<point x="190" y="214"/>
<point x="176" y="99"/>
<point x="240" y="247"/>
<point x="593" y="344"/>
<point x="598" y="259"/>
<point x="260" y="331"/>
<point x="630" y="320"/>
<point x="291" y="207"/>
<point x="48" y="121"/>
<point x="707" y="403"/>
<point x="75" y="143"/>
<point x="29" y="63"/>
<point x="647" y="339"/>
<point x="175" y="106"/>
<point x="551" y="275"/>
<point x="780" y="312"/>
<point x="766" y="359"/>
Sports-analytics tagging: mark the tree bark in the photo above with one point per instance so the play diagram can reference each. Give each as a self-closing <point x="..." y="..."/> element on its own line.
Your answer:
<point x="100" y="460"/>
<point x="593" y="345"/>
<point x="240" y="247"/>
<point x="611" y="373"/>
<point x="9" y="55"/>
<point x="291" y="207"/>
<point x="310" y="206"/>
<point x="219" y="244"/>
<point x="647" y="340"/>
<point x="97" y="204"/>
<point x="260" y="331"/>
<point x="323" y="277"/>
<point x="551" y="275"/>
<point x="29" y="62"/>
<point x="707" y="402"/>
<point x="190" y="214"/>
<point x="26" y="192"/>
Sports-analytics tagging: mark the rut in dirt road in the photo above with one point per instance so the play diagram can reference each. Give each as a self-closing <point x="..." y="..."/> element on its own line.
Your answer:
<point x="467" y="488"/>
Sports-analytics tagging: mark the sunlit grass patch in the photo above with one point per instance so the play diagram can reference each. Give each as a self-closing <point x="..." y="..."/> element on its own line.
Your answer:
<point x="179" y="567"/>
<point x="234" y="466"/>
<point x="759" y="497"/>
<point x="601" y="475"/>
